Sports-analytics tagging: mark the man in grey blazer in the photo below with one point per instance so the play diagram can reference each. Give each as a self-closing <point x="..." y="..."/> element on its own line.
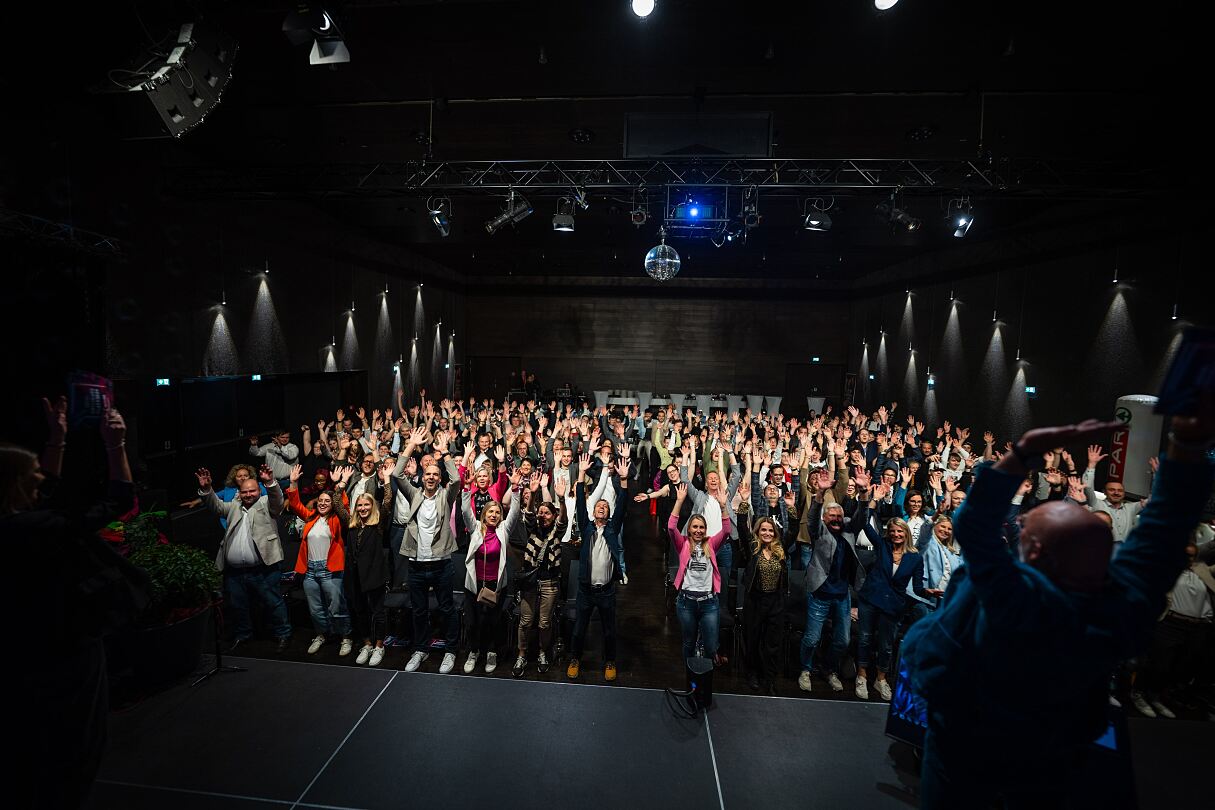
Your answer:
<point x="250" y="553"/>
<point x="428" y="544"/>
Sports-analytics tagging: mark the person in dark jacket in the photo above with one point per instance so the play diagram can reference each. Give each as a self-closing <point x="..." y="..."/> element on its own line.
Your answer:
<point x="1060" y="613"/>
<point x="367" y="573"/>
<point x="881" y="600"/>
<point x="765" y="589"/>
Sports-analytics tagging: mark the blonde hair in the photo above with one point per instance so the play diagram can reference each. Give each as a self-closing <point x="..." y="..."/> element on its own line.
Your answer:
<point x="778" y="550"/>
<point x="230" y="481"/>
<point x="704" y="542"/>
<point x="485" y="511"/>
<point x="373" y="519"/>
<point x="908" y="541"/>
<point x="953" y="540"/>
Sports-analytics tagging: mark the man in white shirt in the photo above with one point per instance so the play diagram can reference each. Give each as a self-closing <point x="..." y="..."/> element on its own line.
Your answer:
<point x="280" y="455"/>
<point x="1122" y="513"/>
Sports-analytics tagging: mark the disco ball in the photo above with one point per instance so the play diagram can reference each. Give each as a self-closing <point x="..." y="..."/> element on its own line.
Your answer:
<point x="662" y="262"/>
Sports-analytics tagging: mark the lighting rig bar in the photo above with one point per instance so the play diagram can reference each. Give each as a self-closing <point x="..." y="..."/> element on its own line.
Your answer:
<point x="555" y="178"/>
<point x="30" y="226"/>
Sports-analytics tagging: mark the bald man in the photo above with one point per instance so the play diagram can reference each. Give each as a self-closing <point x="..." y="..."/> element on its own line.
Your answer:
<point x="1015" y="665"/>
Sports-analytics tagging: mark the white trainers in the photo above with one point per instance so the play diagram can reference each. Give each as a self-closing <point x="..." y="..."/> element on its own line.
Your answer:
<point x="1142" y="705"/>
<point x="1163" y="710"/>
<point x="449" y="663"/>
<point x="364" y="654"/>
<point x="835" y="683"/>
<point x="315" y="645"/>
<point x="542" y="662"/>
<point x="1117" y="704"/>
<point x="883" y="690"/>
<point x="491" y="662"/>
<point x="803" y="680"/>
<point x="347" y="646"/>
<point x="470" y="664"/>
<point x="415" y="661"/>
<point x="377" y="655"/>
<point x="862" y="688"/>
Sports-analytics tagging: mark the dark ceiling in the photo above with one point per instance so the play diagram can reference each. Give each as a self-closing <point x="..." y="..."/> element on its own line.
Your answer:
<point x="1092" y="96"/>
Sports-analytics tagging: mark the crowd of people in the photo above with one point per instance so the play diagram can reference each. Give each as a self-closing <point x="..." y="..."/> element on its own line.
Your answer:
<point x="851" y="511"/>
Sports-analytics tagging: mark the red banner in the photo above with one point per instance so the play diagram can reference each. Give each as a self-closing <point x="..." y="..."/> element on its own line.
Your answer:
<point x="1122" y="438"/>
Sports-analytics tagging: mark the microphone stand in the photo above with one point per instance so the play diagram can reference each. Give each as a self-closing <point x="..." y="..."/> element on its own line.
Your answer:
<point x="219" y="655"/>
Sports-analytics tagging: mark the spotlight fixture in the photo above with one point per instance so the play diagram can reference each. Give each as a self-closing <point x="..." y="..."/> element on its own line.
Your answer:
<point x="960" y="216"/>
<point x="517" y="209"/>
<point x="580" y="198"/>
<point x="439" y="208"/>
<point x="751" y="216"/>
<point x="316" y="25"/>
<point x="884" y="5"/>
<point x="897" y="216"/>
<point x="563" y="220"/>
<point x="816" y="217"/>
<point x="638" y="216"/>
<point x="643" y="8"/>
<point x="662" y="262"/>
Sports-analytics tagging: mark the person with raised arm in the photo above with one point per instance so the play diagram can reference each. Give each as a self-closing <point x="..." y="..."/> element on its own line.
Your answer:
<point x="250" y="553"/>
<point x="485" y="573"/>
<point x="697" y="579"/>
<point x="367" y="569"/>
<point x="322" y="557"/>
<point x="1061" y="612"/>
<point x="280" y="454"/>
<point x="601" y="566"/>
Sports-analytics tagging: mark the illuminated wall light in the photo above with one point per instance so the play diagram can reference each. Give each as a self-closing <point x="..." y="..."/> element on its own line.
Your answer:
<point x="1174" y="311"/>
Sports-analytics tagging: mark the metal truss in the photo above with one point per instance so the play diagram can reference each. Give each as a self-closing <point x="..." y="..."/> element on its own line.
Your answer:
<point x="33" y="227"/>
<point x="542" y="178"/>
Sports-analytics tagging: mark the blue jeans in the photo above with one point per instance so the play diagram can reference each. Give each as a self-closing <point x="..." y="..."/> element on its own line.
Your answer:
<point x="263" y="584"/>
<point x="588" y="599"/>
<point x="423" y="577"/>
<point x="326" y="601"/>
<point x="698" y="617"/>
<point x="817" y="611"/>
<point x="869" y="621"/>
<point x="725" y="561"/>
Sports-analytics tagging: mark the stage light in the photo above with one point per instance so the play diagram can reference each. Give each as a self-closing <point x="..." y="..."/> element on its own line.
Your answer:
<point x="638" y="216"/>
<point x="662" y="262"/>
<point x="693" y="212"/>
<point x="643" y="8"/>
<point x="563" y="220"/>
<point x="439" y="208"/>
<point x="580" y="199"/>
<point x="816" y="218"/>
<point x="517" y="209"/>
<point x="897" y="216"/>
<point x="932" y="381"/>
<point x="960" y="216"/>
<point x="884" y="5"/>
<point x="316" y="25"/>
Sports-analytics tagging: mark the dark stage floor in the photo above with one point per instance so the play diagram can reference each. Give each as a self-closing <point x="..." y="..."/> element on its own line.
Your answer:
<point x="313" y="735"/>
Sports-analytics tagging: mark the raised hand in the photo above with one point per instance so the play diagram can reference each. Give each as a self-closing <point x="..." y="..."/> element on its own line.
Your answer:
<point x="595" y="441"/>
<point x="500" y="453"/>
<point x="584" y="463"/>
<point x="361" y="413"/>
<point x="385" y="473"/>
<point x="625" y="449"/>
<point x="951" y="483"/>
<point x="622" y="469"/>
<point x="639" y="497"/>
<point x="1095" y="455"/>
<point x="989" y="437"/>
<point x="862" y="478"/>
<point x="204" y="477"/>
<point x="681" y="492"/>
<point x="1054" y="477"/>
<point x="417" y="436"/>
<point x="341" y="415"/>
<point x="295" y="474"/>
<point x="441" y="441"/>
<point x="254" y="440"/>
<point x="56" y="418"/>
<point x="1154" y="465"/>
<point x="560" y="487"/>
<point x="534" y="482"/>
<point x="516" y="477"/>
<point x="1075" y="488"/>
<point x="934" y="480"/>
<point x="113" y="430"/>
<point x="905" y="475"/>
<point x="880" y="491"/>
<point x="265" y="475"/>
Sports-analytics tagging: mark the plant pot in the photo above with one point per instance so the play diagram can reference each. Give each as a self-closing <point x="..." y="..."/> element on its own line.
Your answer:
<point x="160" y="655"/>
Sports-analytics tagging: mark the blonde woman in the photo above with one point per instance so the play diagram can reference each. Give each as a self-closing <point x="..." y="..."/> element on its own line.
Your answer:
<point x="942" y="559"/>
<point x="698" y="579"/>
<point x="485" y="573"/>
<point x="367" y="570"/>
<point x="765" y="587"/>
<point x="882" y="599"/>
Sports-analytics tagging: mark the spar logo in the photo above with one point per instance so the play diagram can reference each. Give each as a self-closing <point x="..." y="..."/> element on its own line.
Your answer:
<point x="1122" y="438"/>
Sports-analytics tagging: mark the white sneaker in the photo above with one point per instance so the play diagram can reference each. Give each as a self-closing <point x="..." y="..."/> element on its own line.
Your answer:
<point x="347" y="646"/>
<point x="542" y="662"/>
<point x="862" y="688"/>
<point x="803" y="680"/>
<point x="1162" y="710"/>
<point x="377" y="655"/>
<point x="449" y="663"/>
<point x="835" y="683"/>
<point x="883" y="690"/>
<point x="415" y="661"/>
<point x="470" y="664"/>
<point x="491" y="662"/>
<point x="1117" y="704"/>
<point x="624" y="579"/>
<point x="1142" y="705"/>
<point x="315" y="645"/>
<point x="364" y="654"/>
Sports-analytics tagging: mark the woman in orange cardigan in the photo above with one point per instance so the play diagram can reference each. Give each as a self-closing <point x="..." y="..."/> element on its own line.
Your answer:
<point x="322" y="557"/>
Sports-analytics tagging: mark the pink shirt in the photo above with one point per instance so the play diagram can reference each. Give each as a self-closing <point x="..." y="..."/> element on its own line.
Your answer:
<point x="486" y="560"/>
<point x="683" y="547"/>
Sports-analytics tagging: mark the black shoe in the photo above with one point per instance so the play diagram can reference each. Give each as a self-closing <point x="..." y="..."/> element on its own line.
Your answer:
<point x="282" y="646"/>
<point x="542" y="663"/>
<point x="519" y="667"/>
<point x="771" y="688"/>
<point x="238" y="644"/>
<point x="753" y="683"/>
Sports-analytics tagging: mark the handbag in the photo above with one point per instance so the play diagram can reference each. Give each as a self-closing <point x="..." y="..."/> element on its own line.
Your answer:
<point x="526" y="580"/>
<point x="486" y="596"/>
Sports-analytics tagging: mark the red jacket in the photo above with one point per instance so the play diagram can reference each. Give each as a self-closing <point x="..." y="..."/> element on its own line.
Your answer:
<point x="336" y="560"/>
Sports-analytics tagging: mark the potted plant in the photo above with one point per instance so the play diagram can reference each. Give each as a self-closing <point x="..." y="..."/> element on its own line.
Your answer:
<point x="167" y="641"/>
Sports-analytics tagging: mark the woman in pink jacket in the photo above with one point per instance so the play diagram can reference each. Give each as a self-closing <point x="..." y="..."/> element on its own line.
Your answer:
<point x="698" y="581"/>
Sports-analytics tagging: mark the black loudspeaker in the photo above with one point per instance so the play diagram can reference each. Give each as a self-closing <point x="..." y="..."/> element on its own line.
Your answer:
<point x="700" y="681"/>
<point x="191" y="81"/>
